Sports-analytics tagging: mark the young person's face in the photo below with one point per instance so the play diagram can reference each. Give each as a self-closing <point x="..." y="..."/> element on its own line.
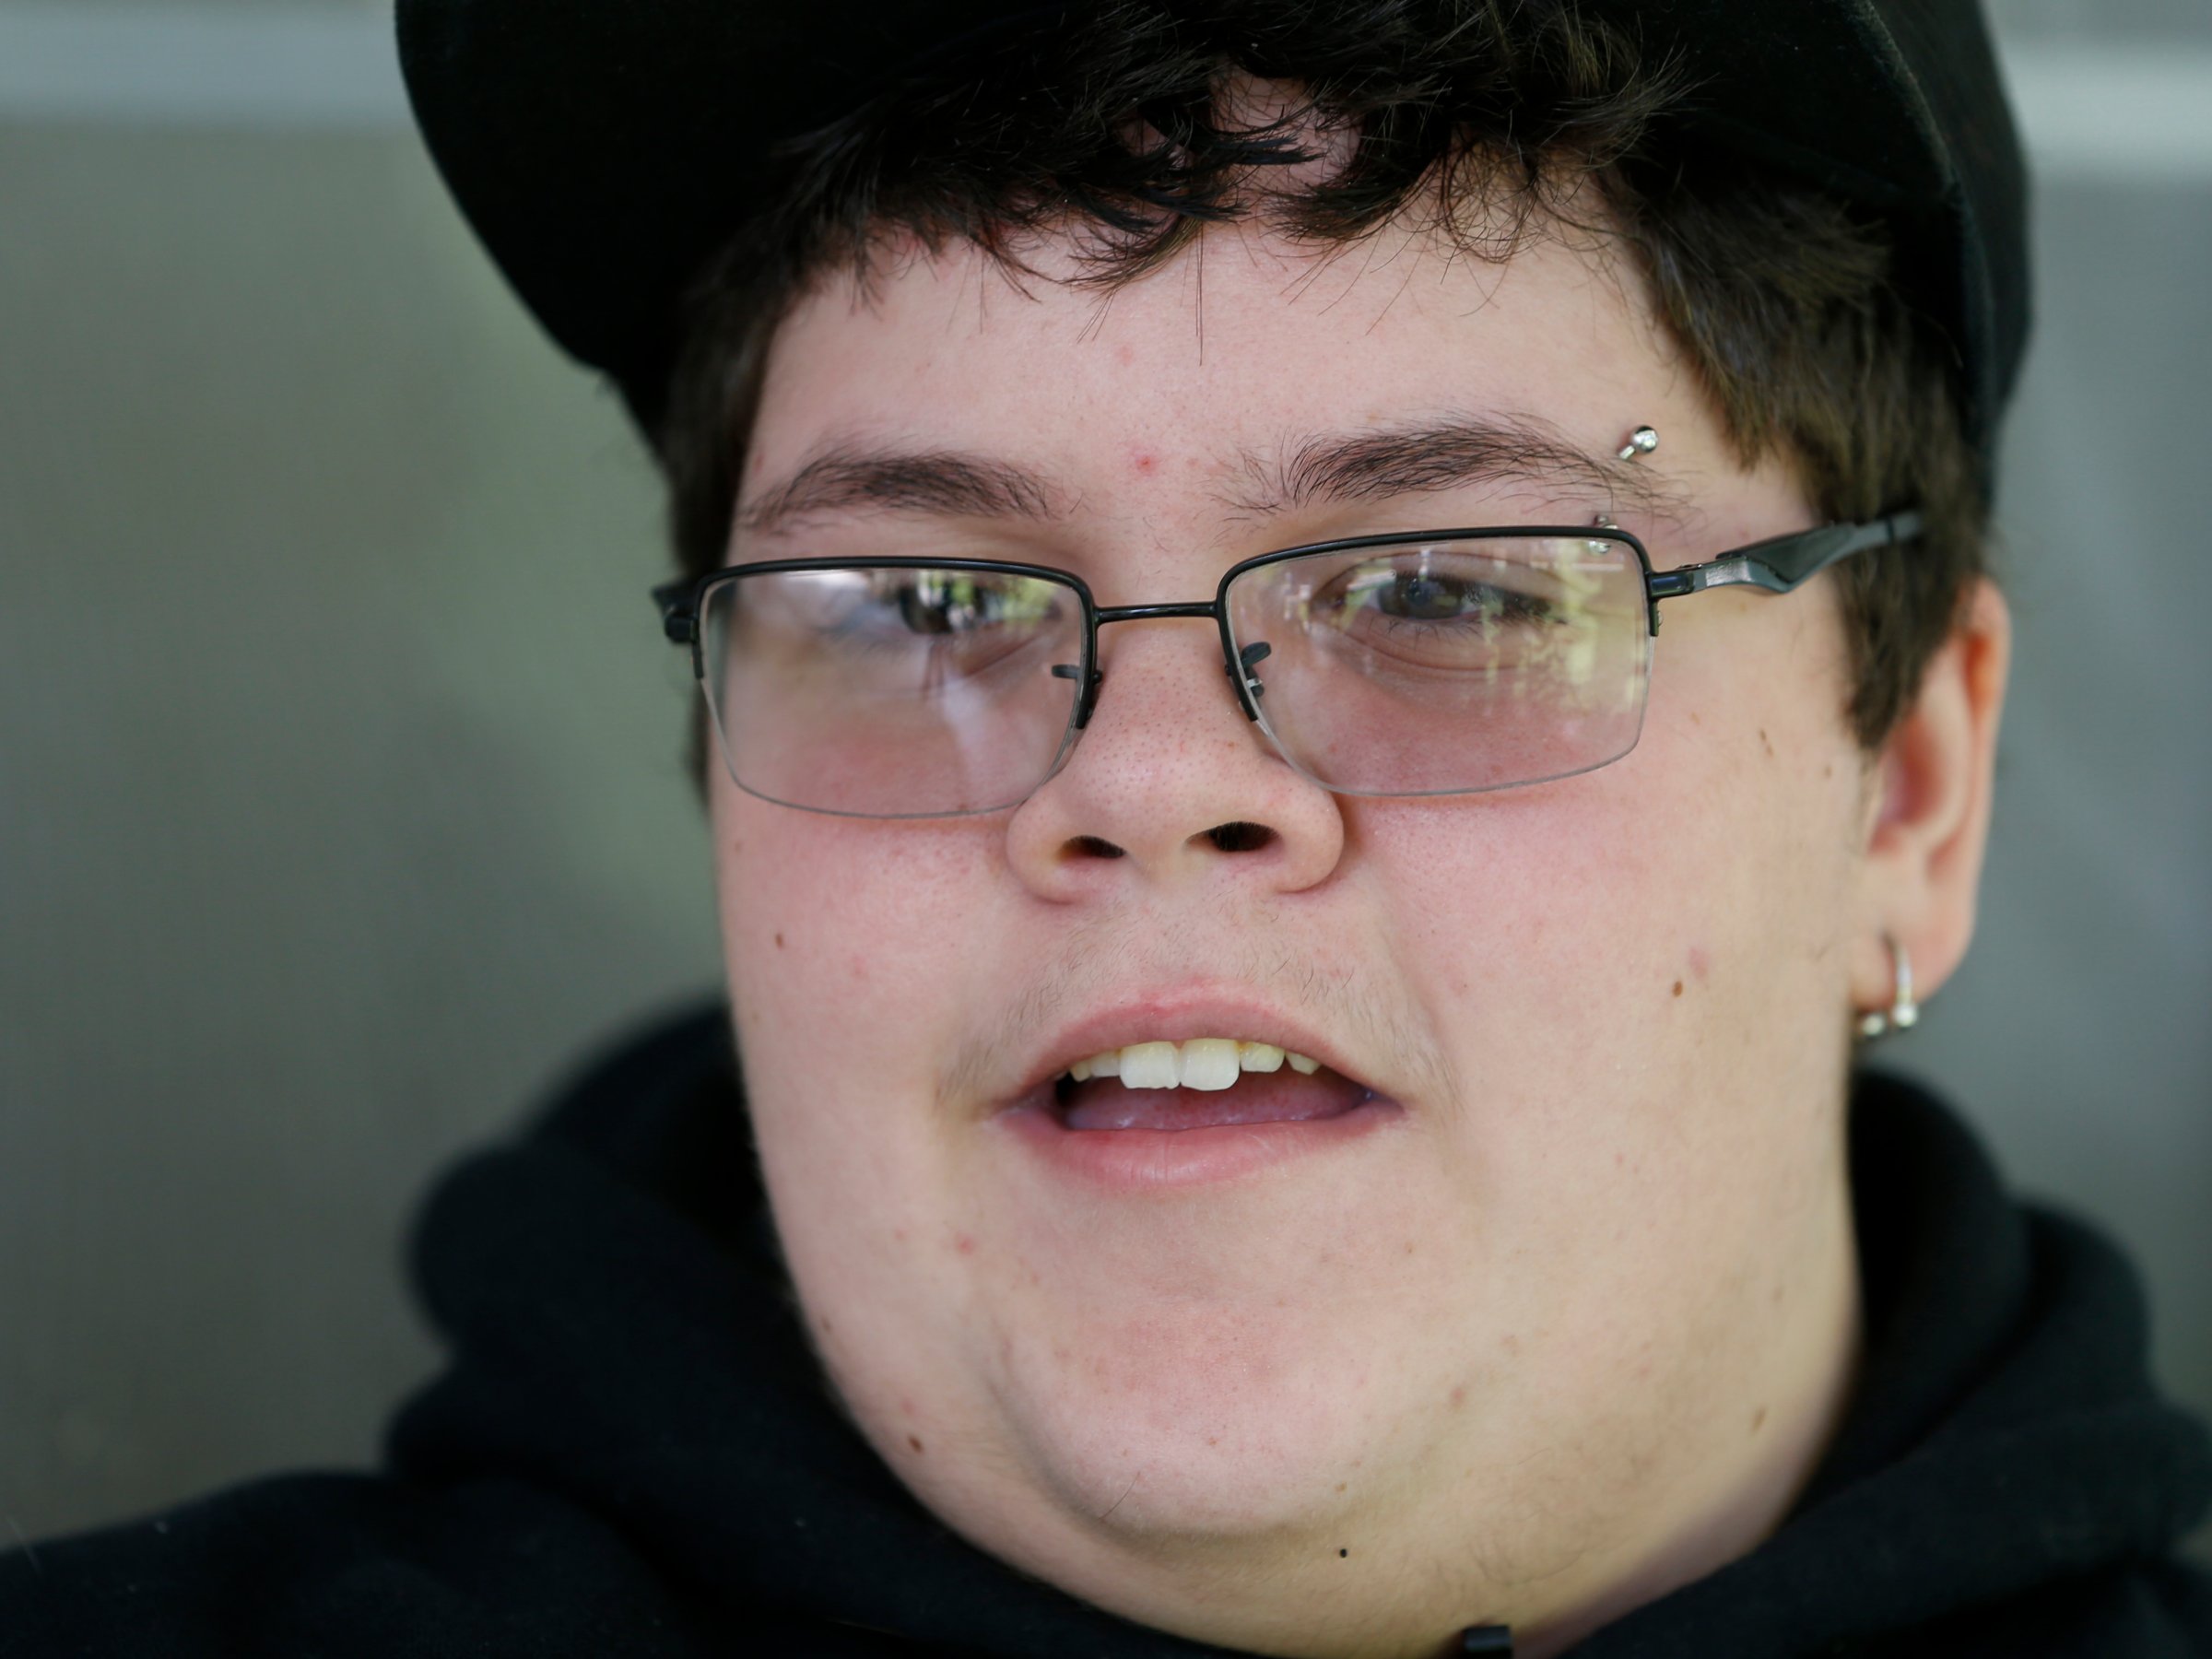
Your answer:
<point x="1569" y="1298"/>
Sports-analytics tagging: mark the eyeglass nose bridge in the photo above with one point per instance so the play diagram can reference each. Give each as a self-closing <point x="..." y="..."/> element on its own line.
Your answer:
<point x="1248" y="689"/>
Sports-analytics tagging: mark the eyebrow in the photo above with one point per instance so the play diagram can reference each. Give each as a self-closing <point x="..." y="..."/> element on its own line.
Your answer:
<point x="944" y="482"/>
<point x="1423" y="457"/>
<point x="1451" y="452"/>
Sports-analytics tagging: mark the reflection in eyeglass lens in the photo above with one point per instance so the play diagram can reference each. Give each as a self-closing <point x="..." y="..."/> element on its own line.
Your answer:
<point x="917" y="629"/>
<point x="1458" y="610"/>
<point x="892" y="690"/>
<point x="1449" y="667"/>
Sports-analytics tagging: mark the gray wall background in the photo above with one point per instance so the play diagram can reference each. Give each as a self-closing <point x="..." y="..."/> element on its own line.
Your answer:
<point x="341" y="798"/>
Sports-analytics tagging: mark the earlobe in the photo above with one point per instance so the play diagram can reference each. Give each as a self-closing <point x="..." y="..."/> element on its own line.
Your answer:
<point x="1929" y="829"/>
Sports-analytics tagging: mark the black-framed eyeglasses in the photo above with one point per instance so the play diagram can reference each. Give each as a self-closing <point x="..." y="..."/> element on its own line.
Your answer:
<point x="1430" y="662"/>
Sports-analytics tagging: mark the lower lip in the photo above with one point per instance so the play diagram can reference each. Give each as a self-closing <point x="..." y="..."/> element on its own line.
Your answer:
<point x="1153" y="1159"/>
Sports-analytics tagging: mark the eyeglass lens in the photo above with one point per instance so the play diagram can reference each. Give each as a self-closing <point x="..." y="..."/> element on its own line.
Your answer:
<point x="892" y="692"/>
<point x="1452" y="666"/>
<point x="1435" y="667"/>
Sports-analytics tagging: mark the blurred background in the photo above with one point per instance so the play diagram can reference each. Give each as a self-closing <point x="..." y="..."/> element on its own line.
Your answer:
<point x="342" y="804"/>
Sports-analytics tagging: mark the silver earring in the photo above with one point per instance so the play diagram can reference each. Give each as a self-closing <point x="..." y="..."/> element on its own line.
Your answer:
<point x="1904" y="1012"/>
<point x="1642" y="442"/>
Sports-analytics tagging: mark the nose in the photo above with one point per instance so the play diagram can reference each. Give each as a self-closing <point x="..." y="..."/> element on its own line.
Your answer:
<point x="1170" y="785"/>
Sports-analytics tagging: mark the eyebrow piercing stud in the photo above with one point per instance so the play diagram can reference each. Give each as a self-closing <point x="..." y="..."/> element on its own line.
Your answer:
<point x="1642" y="442"/>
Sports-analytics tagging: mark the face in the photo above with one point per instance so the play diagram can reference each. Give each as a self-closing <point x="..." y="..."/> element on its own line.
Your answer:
<point x="1546" y="1285"/>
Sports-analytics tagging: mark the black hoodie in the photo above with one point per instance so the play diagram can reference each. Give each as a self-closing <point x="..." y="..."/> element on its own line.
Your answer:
<point x="633" y="1455"/>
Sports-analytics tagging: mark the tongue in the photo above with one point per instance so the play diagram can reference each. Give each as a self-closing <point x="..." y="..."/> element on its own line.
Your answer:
<point x="1281" y="1097"/>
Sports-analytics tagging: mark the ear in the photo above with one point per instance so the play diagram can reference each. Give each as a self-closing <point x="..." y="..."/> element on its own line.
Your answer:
<point x="1928" y="822"/>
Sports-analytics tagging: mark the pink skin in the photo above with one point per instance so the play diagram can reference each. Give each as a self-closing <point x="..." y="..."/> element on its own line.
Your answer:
<point x="1569" y="1324"/>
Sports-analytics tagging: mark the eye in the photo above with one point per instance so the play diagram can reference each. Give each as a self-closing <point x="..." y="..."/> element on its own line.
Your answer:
<point x="1423" y="589"/>
<point x="1432" y="597"/>
<point x="958" y="622"/>
<point x="1423" y="596"/>
<point x="958" y="602"/>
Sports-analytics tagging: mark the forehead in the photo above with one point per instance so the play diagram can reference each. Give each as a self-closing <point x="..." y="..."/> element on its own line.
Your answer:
<point x="1222" y="362"/>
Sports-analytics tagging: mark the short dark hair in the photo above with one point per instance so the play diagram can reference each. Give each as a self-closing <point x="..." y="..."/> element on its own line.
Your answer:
<point x="1485" y="119"/>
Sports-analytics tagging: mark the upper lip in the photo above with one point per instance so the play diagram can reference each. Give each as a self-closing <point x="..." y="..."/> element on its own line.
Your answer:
<point x="1161" y="1016"/>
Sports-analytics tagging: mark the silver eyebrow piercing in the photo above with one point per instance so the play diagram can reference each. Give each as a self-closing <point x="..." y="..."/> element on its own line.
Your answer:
<point x="1642" y="442"/>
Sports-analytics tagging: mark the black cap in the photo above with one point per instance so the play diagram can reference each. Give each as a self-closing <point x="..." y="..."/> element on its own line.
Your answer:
<point x="604" y="149"/>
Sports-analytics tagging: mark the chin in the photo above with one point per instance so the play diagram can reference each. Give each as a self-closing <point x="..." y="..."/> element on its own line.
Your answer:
<point x="1180" y="1428"/>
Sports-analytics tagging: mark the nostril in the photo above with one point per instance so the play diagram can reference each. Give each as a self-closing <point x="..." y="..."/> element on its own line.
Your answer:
<point x="1239" y="836"/>
<point x="1091" y="846"/>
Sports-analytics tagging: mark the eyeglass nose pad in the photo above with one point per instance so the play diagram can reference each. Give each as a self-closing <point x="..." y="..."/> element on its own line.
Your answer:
<point x="1245" y="680"/>
<point x="1068" y="670"/>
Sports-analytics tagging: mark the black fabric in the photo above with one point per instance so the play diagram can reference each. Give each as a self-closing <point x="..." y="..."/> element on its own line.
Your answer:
<point x="630" y="1457"/>
<point x="603" y="149"/>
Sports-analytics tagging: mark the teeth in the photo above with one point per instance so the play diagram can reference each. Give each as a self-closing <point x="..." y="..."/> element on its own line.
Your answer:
<point x="1148" y="1066"/>
<point x="1208" y="1063"/>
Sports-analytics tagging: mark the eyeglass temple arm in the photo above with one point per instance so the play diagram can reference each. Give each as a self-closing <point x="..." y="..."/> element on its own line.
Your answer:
<point x="677" y="601"/>
<point x="1783" y="562"/>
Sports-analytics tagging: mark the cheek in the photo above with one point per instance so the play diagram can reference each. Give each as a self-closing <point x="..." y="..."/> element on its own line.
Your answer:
<point x="1630" y="969"/>
<point x="846" y="941"/>
<point x="848" y="945"/>
<point x="1624" y="969"/>
<point x="851" y="947"/>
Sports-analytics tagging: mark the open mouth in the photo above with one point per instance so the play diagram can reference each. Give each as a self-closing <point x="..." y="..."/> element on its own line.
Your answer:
<point x="1203" y="1083"/>
<point x="1186" y="1105"/>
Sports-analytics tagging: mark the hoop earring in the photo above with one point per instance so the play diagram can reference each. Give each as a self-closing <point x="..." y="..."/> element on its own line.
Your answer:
<point x="1904" y="1012"/>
